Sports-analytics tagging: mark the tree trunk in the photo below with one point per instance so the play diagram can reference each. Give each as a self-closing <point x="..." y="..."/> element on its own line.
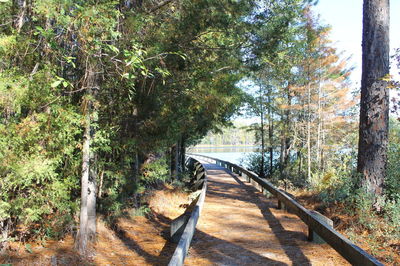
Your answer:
<point x="262" y="146"/>
<point x="92" y="184"/>
<point x="262" y="133"/>
<point x="82" y="235"/>
<point x="309" y="132"/>
<point x="99" y="195"/>
<point x="136" y="170"/>
<point x="300" y="158"/>
<point x="271" y="142"/>
<point x="87" y="222"/>
<point x="322" y="158"/>
<point x="20" y="10"/>
<point x="177" y="150"/>
<point x="92" y="192"/>
<point x="182" y="153"/>
<point x="319" y="122"/>
<point x="374" y="105"/>
<point x="285" y="145"/>
<point x="270" y="133"/>
<point x="282" y="154"/>
<point x="173" y="162"/>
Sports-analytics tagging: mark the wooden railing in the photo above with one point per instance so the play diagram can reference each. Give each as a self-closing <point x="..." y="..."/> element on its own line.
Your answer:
<point x="351" y="252"/>
<point x="182" y="248"/>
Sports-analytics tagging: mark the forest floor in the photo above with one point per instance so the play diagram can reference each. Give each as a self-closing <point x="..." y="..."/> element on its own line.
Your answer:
<point x="132" y="240"/>
<point x="386" y="251"/>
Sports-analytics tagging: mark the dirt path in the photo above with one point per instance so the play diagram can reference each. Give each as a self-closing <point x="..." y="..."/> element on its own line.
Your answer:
<point x="240" y="226"/>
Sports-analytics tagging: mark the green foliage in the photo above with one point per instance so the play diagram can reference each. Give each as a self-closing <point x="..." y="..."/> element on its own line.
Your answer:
<point x="39" y="153"/>
<point x="392" y="215"/>
<point x="147" y="78"/>
<point x="141" y="211"/>
<point x="236" y="135"/>
<point x="252" y="161"/>
<point x="392" y="181"/>
<point x="37" y="167"/>
<point x="154" y="172"/>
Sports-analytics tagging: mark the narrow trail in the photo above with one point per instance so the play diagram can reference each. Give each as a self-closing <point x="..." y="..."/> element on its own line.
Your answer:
<point x="240" y="226"/>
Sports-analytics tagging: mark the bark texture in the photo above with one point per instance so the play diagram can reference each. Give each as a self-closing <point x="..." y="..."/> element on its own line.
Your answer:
<point x="82" y="235"/>
<point x="87" y="221"/>
<point x="262" y="163"/>
<point x="270" y="136"/>
<point x="21" y="9"/>
<point x="182" y="154"/>
<point x="174" y="161"/>
<point x="374" y="106"/>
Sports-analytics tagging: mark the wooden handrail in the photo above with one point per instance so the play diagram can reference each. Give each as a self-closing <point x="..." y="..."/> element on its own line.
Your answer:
<point x="351" y="252"/>
<point x="182" y="248"/>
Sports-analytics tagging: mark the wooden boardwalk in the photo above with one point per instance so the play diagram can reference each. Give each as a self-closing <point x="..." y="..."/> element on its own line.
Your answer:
<point x="240" y="226"/>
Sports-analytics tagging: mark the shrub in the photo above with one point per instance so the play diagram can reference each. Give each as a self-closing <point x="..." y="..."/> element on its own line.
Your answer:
<point x="392" y="181"/>
<point x="154" y="172"/>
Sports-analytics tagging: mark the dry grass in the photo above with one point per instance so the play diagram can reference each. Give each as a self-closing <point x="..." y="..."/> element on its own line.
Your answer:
<point x="136" y="240"/>
<point x="372" y="241"/>
<point x="170" y="202"/>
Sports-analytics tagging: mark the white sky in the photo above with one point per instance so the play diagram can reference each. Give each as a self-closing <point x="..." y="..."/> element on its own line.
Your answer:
<point x="345" y="17"/>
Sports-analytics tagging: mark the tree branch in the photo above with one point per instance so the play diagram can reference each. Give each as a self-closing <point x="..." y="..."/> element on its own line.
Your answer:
<point x="166" y="2"/>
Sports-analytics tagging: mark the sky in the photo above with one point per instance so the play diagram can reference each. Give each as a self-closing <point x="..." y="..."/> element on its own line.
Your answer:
<point x="345" y="18"/>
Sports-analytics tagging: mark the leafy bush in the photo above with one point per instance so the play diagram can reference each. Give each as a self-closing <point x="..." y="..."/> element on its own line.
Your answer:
<point x="392" y="182"/>
<point x="122" y="193"/>
<point x="39" y="157"/>
<point x="252" y="161"/>
<point x="154" y="172"/>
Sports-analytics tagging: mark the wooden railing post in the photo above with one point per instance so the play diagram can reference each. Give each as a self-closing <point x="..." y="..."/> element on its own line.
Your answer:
<point x="279" y="205"/>
<point x="314" y="237"/>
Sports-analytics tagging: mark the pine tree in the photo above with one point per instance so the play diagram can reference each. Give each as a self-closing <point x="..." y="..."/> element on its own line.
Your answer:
<point x="374" y="104"/>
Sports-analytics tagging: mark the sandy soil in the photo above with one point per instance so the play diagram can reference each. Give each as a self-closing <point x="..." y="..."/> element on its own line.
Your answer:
<point x="240" y="226"/>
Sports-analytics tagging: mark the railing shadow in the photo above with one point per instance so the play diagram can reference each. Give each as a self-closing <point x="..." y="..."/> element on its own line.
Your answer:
<point x="202" y="242"/>
<point x="165" y="254"/>
<point x="231" y="254"/>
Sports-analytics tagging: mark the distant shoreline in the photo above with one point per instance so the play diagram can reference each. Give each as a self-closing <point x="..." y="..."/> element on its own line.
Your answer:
<point x="223" y="146"/>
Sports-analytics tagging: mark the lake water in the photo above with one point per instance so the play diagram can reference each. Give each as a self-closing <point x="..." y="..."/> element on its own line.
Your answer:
<point x="227" y="153"/>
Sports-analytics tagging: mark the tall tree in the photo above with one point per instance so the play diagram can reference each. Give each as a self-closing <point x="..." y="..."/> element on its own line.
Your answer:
<point x="374" y="107"/>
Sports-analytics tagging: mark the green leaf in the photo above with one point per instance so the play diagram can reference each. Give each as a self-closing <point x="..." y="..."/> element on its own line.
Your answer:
<point x="28" y="248"/>
<point x="56" y="83"/>
<point x="113" y="49"/>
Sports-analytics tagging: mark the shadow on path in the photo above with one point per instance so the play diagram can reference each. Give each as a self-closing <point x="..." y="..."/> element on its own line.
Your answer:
<point x="222" y="252"/>
<point x="287" y="239"/>
<point x="225" y="255"/>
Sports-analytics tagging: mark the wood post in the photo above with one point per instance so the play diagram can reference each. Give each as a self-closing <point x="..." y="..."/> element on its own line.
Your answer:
<point x="314" y="237"/>
<point x="178" y="226"/>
